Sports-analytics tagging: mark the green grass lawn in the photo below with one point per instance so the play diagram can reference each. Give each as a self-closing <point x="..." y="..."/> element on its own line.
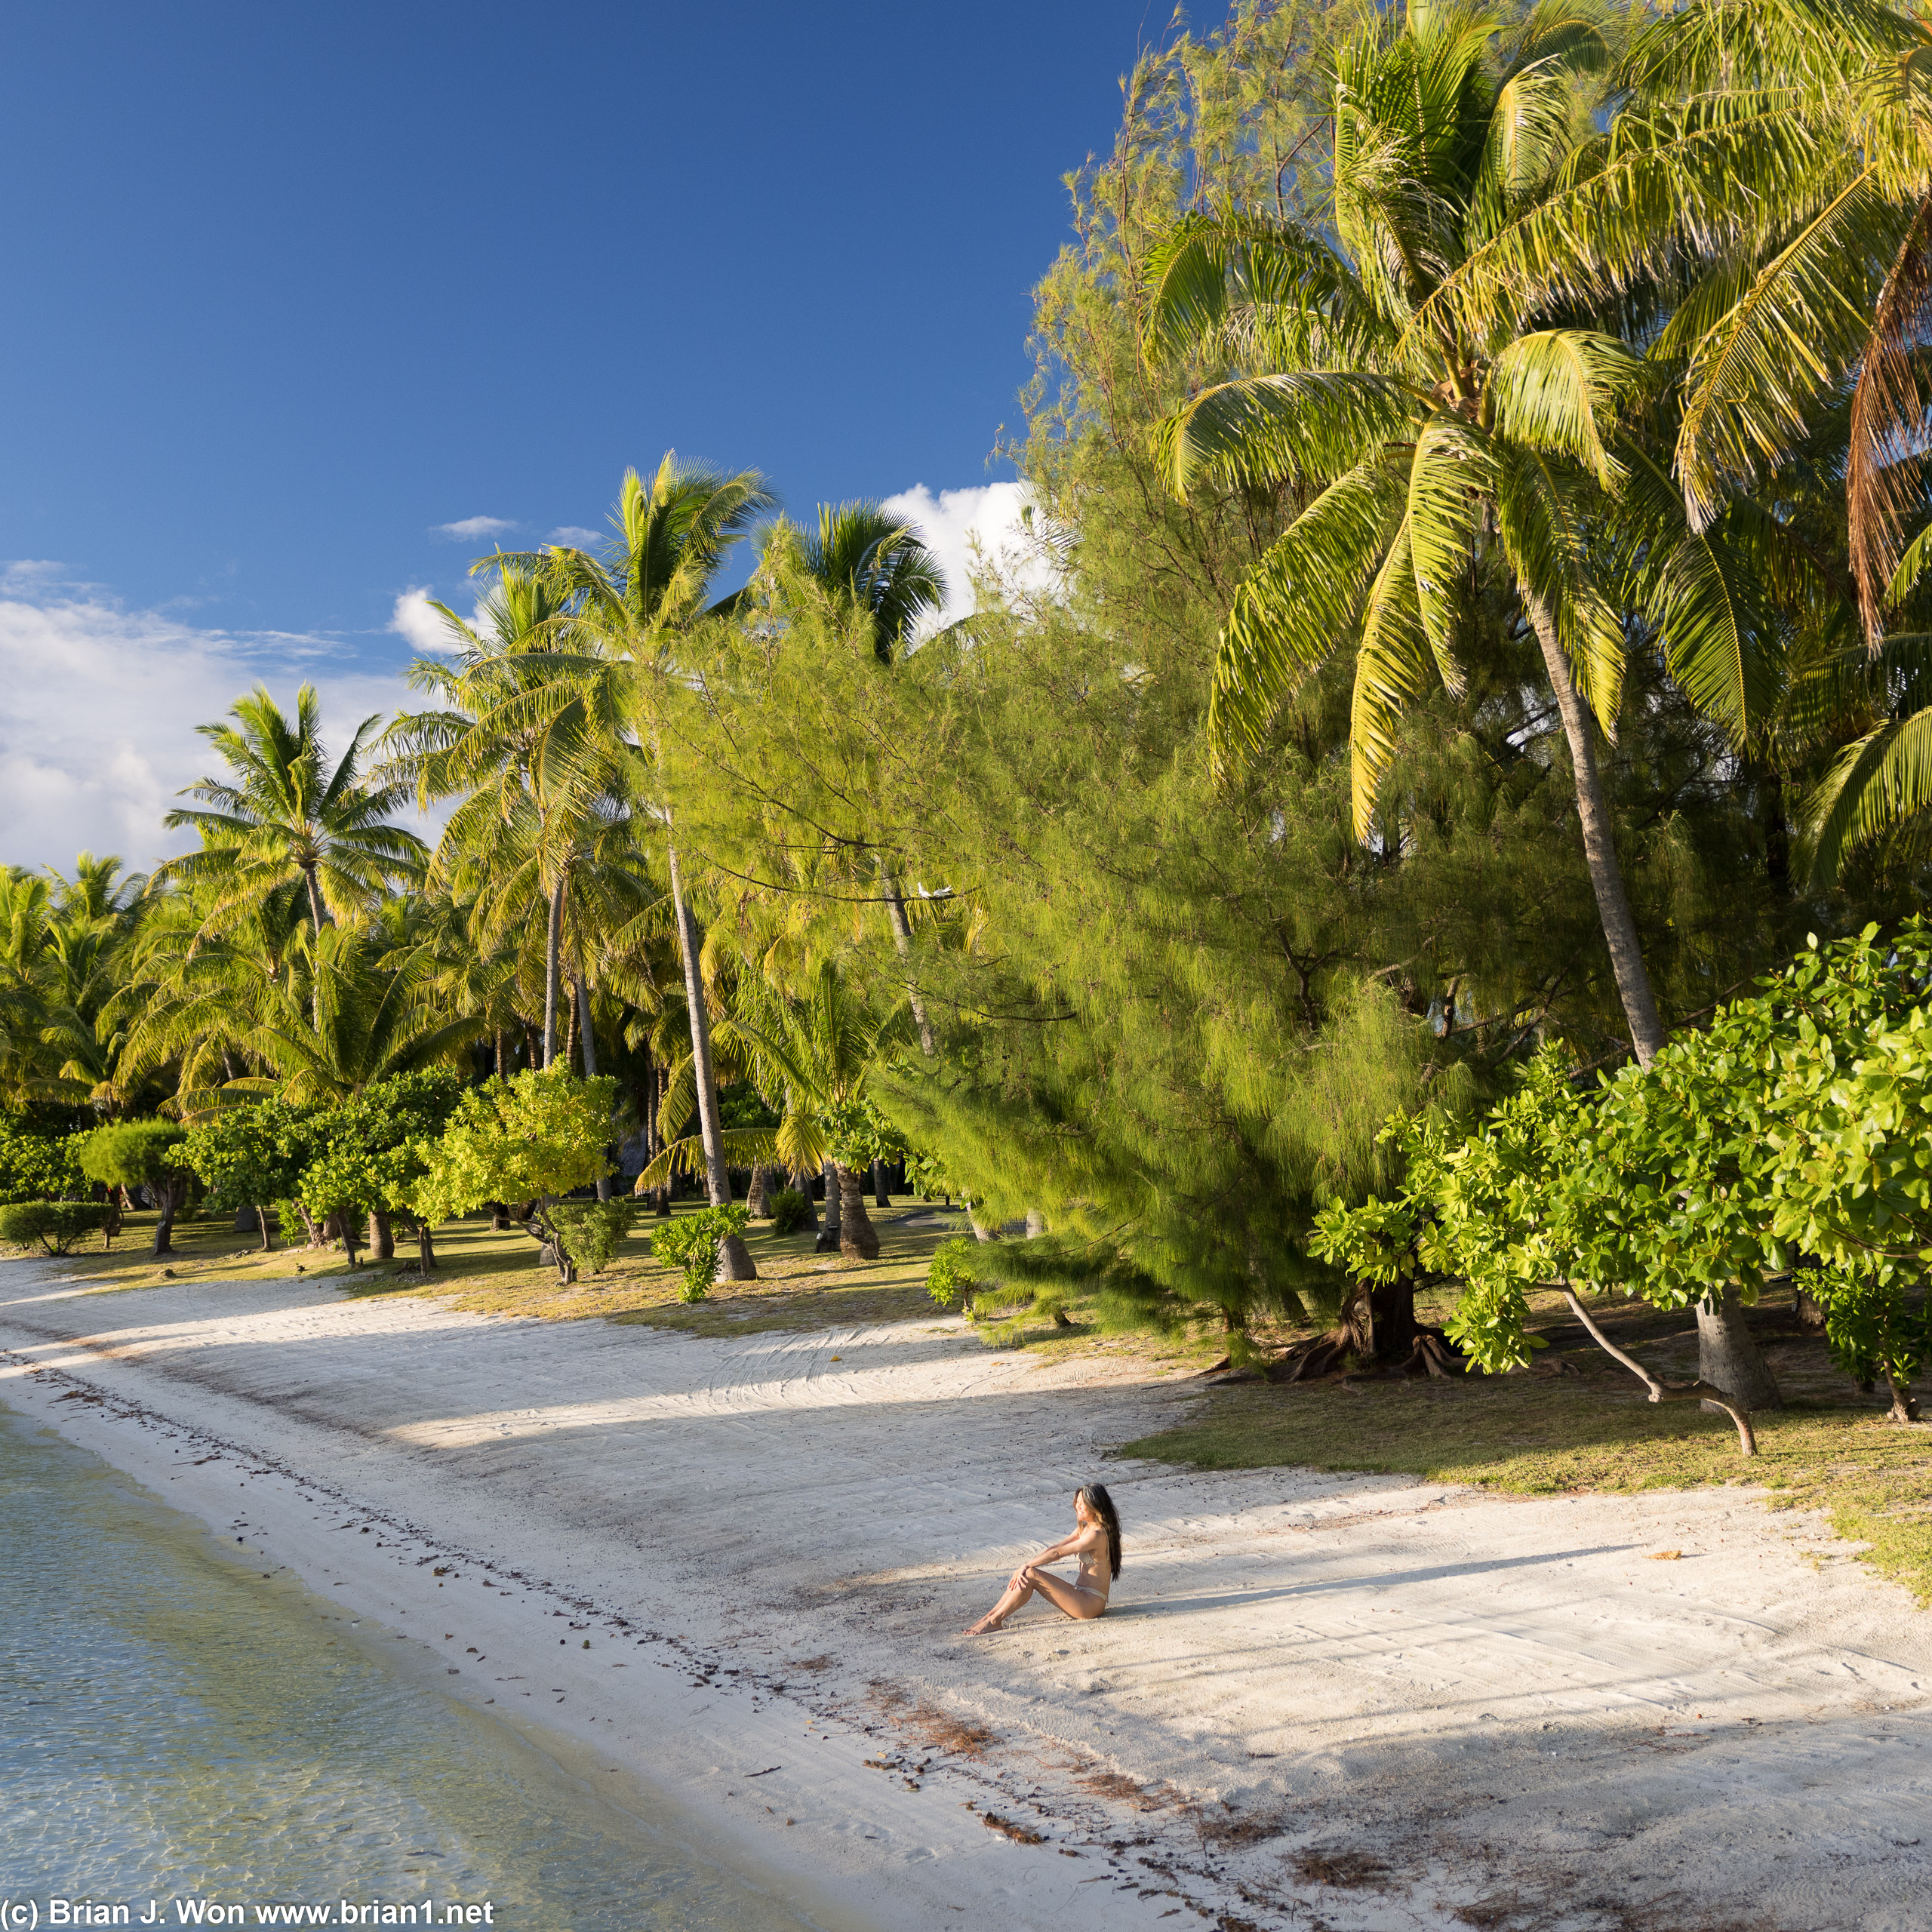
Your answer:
<point x="487" y="1272"/>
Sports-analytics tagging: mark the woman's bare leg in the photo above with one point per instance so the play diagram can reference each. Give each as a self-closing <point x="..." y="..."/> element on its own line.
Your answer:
<point x="1068" y="1598"/>
<point x="1017" y="1592"/>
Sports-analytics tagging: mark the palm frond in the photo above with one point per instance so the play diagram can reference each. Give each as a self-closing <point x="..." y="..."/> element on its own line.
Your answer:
<point x="1298" y="603"/>
<point x="1875" y="786"/>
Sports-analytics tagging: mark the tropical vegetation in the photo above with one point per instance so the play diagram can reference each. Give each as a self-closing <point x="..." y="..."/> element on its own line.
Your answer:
<point x="1437" y="790"/>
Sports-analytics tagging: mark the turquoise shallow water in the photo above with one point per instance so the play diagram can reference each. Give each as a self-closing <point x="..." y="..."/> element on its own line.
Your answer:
<point x="172" y="1728"/>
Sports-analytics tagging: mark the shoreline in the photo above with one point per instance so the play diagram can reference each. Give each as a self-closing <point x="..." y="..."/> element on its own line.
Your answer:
<point x="1366" y="1697"/>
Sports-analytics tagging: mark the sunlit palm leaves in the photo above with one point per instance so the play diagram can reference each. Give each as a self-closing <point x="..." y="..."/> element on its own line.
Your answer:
<point x="352" y="1008"/>
<point x="877" y="566"/>
<point x="283" y="813"/>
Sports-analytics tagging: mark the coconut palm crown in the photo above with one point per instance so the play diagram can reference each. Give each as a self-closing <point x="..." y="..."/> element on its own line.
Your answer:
<point x="283" y="813"/>
<point x="1412" y="437"/>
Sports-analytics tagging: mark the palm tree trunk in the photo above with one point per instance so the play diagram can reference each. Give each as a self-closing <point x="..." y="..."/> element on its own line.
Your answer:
<point x="653" y="1143"/>
<point x="589" y="1032"/>
<point x="828" y="1234"/>
<point x="734" y="1260"/>
<point x="858" y="1239"/>
<point x="1619" y="929"/>
<point x="880" y="1199"/>
<point x="1729" y="1358"/>
<point x="382" y="1236"/>
<point x="316" y="911"/>
<point x="552" y="966"/>
<point x="167" y="1199"/>
<point x="757" y="1196"/>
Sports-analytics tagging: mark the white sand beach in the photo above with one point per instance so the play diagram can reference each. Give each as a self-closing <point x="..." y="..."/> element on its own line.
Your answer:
<point x="732" y="1570"/>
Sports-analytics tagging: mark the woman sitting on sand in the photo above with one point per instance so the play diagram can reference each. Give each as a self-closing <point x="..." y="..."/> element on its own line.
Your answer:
<point x="1095" y="1541"/>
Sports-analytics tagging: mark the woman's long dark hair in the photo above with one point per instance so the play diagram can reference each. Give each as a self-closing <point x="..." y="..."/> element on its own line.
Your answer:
<point x="1096" y="1499"/>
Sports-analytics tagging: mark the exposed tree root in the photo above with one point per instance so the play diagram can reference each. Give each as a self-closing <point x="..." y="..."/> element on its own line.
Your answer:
<point x="1340" y="1352"/>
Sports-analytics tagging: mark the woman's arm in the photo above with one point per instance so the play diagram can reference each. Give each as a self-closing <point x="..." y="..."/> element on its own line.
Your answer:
<point x="1072" y="1546"/>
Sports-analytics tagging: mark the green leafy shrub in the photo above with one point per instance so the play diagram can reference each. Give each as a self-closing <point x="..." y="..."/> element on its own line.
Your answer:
<point x="949" y="1275"/>
<point x="591" y="1232"/>
<point x="37" y="1167"/>
<point x="692" y="1243"/>
<point x="55" y="1225"/>
<point x="790" y="1210"/>
<point x="1789" y="1132"/>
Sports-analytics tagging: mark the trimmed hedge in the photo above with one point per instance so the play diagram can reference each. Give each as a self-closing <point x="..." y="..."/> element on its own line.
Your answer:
<point x="57" y="1224"/>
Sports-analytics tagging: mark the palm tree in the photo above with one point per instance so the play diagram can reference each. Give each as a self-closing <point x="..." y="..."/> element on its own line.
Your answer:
<point x="815" y="1051"/>
<point x="98" y="891"/>
<point x="27" y="979"/>
<point x="672" y="536"/>
<point x="281" y="813"/>
<point x="95" y="915"/>
<point x="1416" y="438"/>
<point x="869" y="564"/>
<point x="190" y="999"/>
<point x="1816" y="273"/>
<point x="514" y="740"/>
<point x="356" y="1007"/>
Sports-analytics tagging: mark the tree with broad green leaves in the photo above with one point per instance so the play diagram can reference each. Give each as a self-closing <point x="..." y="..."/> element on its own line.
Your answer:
<point x="253" y="1156"/>
<point x="1787" y="1140"/>
<point x="534" y="1138"/>
<point x="373" y="1152"/>
<point x="35" y="1166"/>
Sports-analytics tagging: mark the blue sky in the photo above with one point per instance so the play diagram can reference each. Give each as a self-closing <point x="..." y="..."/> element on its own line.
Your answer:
<point x="291" y="289"/>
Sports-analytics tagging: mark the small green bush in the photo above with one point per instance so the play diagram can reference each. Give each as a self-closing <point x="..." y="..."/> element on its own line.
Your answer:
<point x="593" y="1231"/>
<point x="55" y="1225"/>
<point x="692" y="1244"/>
<point x="949" y="1275"/>
<point x="37" y="1167"/>
<point x="790" y="1210"/>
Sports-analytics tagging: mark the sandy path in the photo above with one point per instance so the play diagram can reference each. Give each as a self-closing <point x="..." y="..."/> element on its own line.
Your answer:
<point x="1351" y="1702"/>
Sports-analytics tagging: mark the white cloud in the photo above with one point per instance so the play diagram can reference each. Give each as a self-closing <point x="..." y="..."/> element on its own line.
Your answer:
<point x="424" y="629"/>
<point x="976" y="532"/>
<point x="471" y="527"/>
<point x="575" y="535"/>
<point x="97" y="734"/>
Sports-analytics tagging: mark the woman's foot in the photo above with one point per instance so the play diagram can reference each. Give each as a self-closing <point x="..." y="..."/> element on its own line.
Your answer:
<point x="984" y="1627"/>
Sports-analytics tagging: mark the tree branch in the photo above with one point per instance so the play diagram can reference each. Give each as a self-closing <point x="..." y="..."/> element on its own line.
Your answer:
<point x="1668" y="1391"/>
